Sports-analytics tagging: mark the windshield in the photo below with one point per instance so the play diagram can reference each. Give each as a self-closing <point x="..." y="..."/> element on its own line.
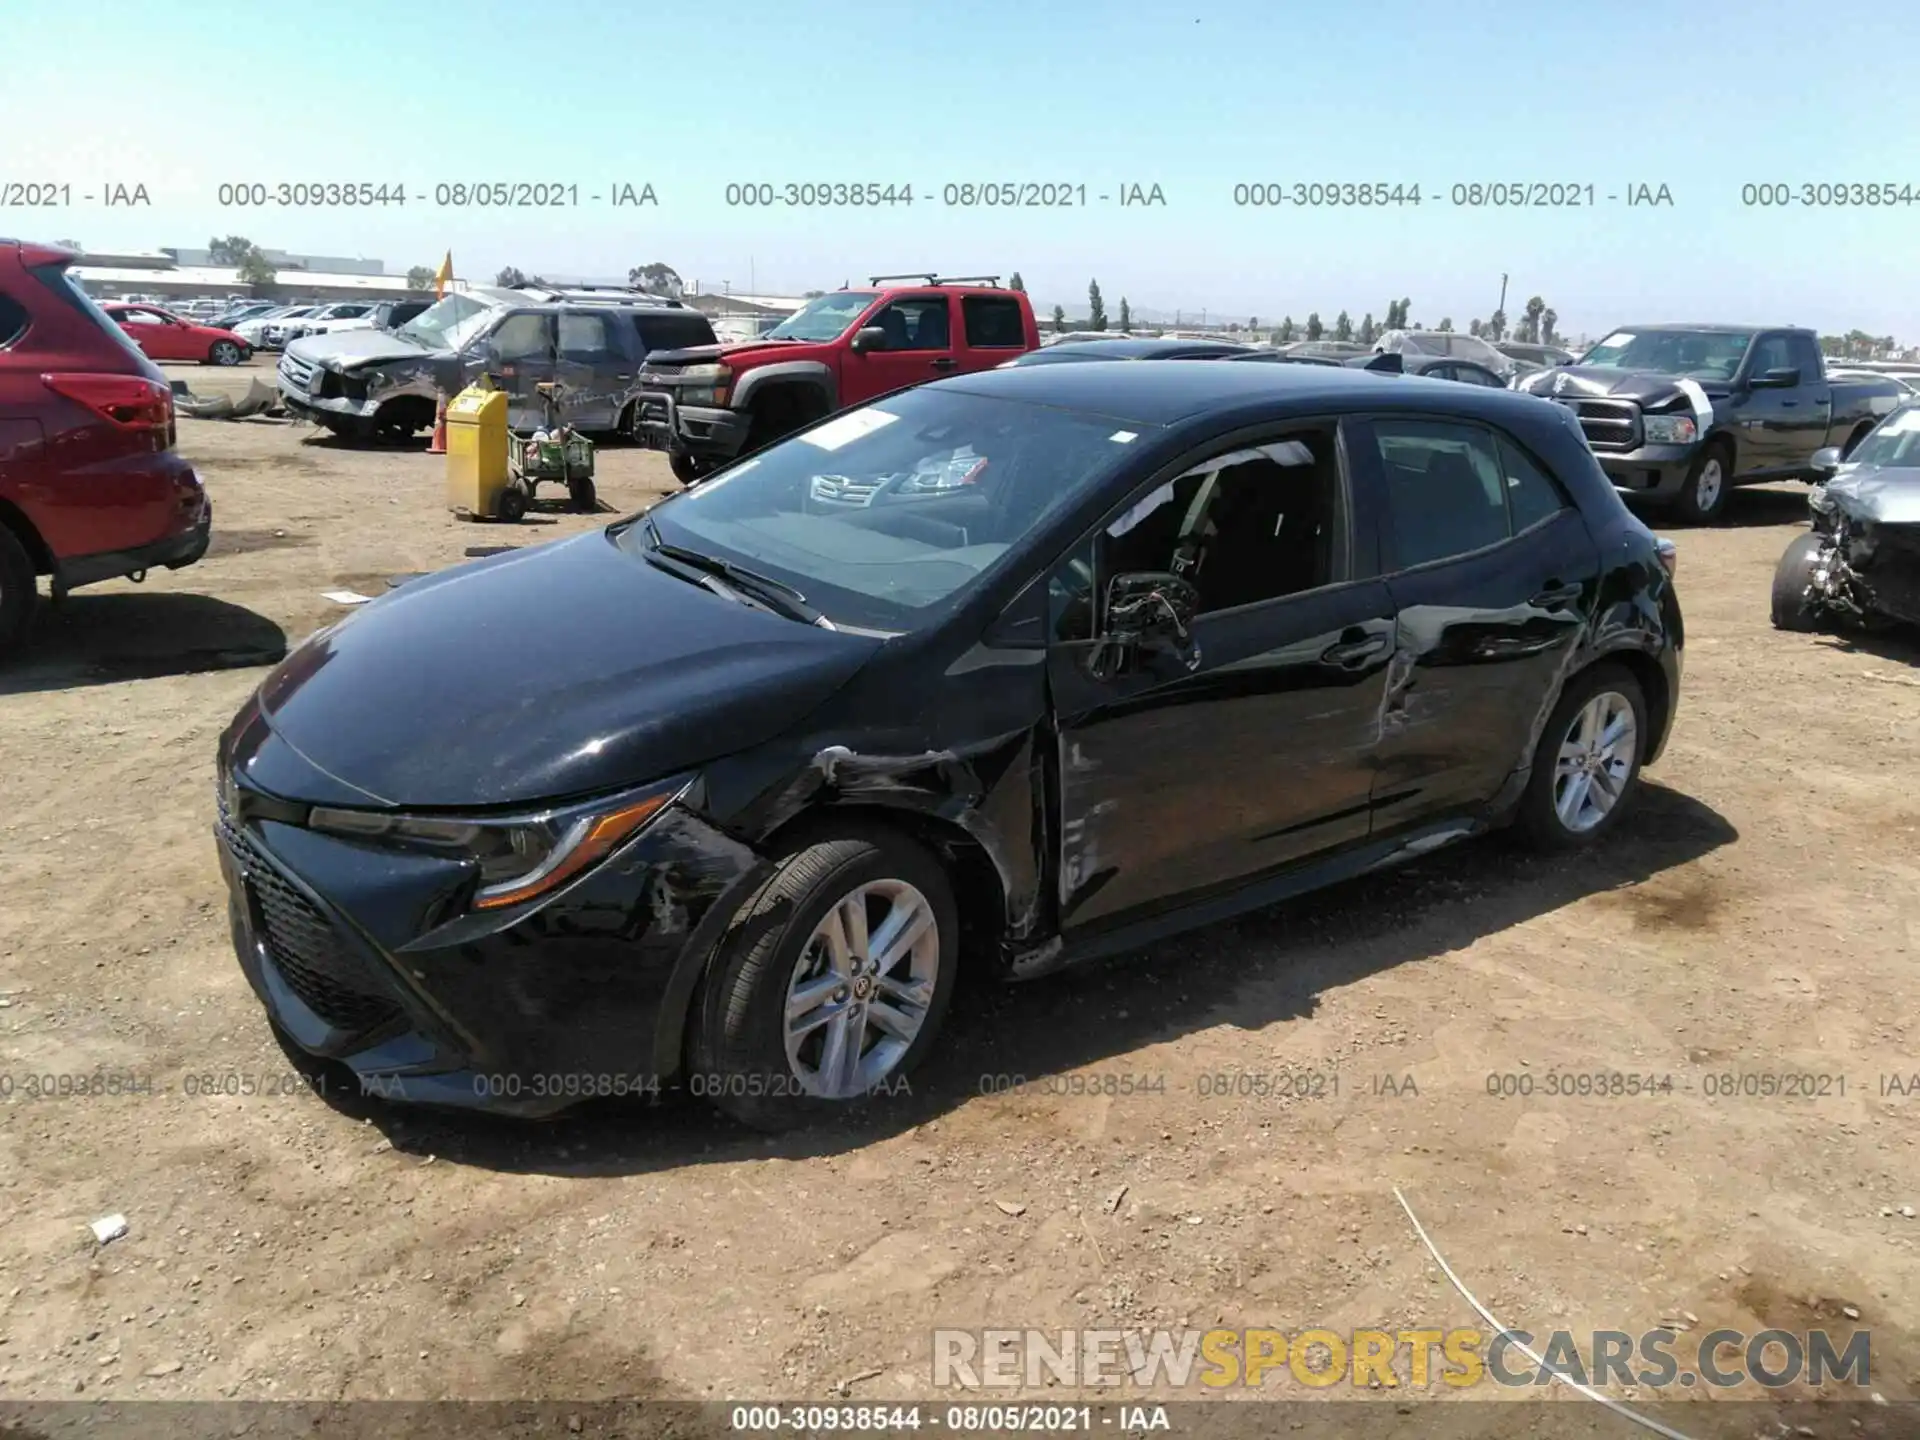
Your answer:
<point x="1894" y="442"/>
<point x="1471" y="347"/>
<point x="883" y="517"/>
<point x="446" y="324"/>
<point x="824" y="318"/>
<point x="1701" y="354"/>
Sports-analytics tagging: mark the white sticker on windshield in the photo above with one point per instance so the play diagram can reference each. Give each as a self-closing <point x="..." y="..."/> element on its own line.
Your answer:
<point x="1124" y="437"/>
<point x="1613" y="341"/>
<point x="847" y="428"/>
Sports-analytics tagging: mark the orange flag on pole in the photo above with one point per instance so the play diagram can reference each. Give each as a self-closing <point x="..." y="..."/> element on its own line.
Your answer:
<point x="442" y="277"/>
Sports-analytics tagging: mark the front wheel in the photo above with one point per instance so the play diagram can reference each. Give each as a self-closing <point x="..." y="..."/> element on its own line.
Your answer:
<point x="225" y="352"/>
<point x="582" y="496"/>
<point x="831" y="986"/>
<point x="1703" y="499"/>
<point x="1791" y="578"/>
<point x="1586" y="766"/>
<point x="688" y="468"/>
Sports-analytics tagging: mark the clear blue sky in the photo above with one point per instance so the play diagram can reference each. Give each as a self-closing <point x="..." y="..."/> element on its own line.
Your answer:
<point x="1194" y="95"/>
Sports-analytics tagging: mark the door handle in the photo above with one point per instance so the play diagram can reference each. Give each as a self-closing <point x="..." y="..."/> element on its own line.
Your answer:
<point x="945" y="362"/>
<point x="1351" y="654"/>
<point x="1554" y="596"/>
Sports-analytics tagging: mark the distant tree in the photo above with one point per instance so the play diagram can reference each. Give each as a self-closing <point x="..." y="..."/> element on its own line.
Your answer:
<point x="1343" y="326"/>
<point x="1059" y="320"/>
<point x="1284" y="335"/>
<point x="1016" y="283"/>
<point x="421" y="277"/>
<point x="1395" y="319"/>
<point x="1406" y="312"/>
<point x="1367" y="332"/>
<point x="813" y="294"/>
<point x="1529" y="327"/>
<point x="1314" y="328"/>
<point x="1253" y="322"/>
<point x="657" y="278"/>
<point x="1475" y="327"/>
<point x="1548" y="319"/>
<point x="254" y="269"/>
<point x="1446" y="324"/>
<point x="1496" y="326"/>
<point x="1096" y="307"/>
<point x="230" y="251"/>
<point x="1126" y="315"/>
<point x="510" y="276"/>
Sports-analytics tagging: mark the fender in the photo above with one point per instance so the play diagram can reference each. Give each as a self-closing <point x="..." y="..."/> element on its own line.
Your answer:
<point x="815" y="373"/>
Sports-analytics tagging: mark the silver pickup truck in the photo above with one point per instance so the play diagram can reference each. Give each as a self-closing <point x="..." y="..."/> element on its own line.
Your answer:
<point x="386" y="384"/>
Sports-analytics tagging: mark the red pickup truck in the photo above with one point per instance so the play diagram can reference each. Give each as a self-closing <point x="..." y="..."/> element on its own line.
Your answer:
<point x="707" y="405"/>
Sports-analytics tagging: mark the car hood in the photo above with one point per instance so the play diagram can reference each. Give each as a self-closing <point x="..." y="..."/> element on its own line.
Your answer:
<point x="745" y="350"/>
<point x="552" y="671"/>
<point x="1883" y="496"/>
<point x="1646" y="387"/>
<point x="356" y="347"/>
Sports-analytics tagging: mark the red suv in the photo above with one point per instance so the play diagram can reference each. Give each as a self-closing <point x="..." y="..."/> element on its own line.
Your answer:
<point x="90" y="484"/>
<point x="710" y="403"/>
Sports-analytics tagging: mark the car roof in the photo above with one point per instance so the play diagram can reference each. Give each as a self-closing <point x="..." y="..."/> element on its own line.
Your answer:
<point x="1140" y="348"/>
<point x="1714" y="328"/>
<point x="1169" y="394"/>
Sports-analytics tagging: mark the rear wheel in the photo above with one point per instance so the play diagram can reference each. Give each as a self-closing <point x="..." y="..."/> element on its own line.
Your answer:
<point x="18" y="593"/>
<point x="1791" y="577"/>
<point x="1586" y="767"/>
<point x="514" y="501"/>
<point x="582" y="496"/>
<point x="688" y="468"/>
<point x="225" y="352"/>
<point x="1703" y="499"/>
<point x="832" y="984"/>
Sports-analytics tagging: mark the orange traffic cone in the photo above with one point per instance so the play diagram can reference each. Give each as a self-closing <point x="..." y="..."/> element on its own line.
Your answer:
<point x="439" y="445"/>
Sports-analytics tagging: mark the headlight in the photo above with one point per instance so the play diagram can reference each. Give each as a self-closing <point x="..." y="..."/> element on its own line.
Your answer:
<point x="705" y="385"/>
<point x="1671" y="429"/>
<point x="519" y="857"/>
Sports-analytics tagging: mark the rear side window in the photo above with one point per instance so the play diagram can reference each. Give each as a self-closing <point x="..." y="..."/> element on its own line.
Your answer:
<point x="993" y="323"/>
<point x="1445" y="487"/>
<point x="1531" y="495"/>
<point x="674" y="330"/>
<point x="13" y="320"/>
<point x="585" y="337"/>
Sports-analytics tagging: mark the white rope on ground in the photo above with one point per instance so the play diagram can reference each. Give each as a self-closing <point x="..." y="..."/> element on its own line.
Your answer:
<point x="1499" y="1329"/>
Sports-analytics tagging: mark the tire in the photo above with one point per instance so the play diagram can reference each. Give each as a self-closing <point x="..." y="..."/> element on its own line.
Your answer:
<point x="782" y="941"/>
<point x="582" y="496"/>
<point x="1553" y="818"/>
<point x="687" y="468"/>
<point x="225" y="352"/>
<point x="513" y="502"/>
<point x="18" y="592"/>
<point x="1790" y="580"/>
<point x="1703" y="499"/>
<point x="1853" y="441"/>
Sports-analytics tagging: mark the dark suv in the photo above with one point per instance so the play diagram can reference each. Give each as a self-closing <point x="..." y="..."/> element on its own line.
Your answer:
<point x="90" y="485"/>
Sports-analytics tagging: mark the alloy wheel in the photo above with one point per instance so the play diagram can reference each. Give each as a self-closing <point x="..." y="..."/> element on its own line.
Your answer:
<point x="1707" y="485"/>
<point x="861" y="989"/>
<point x="1595" y="761"/>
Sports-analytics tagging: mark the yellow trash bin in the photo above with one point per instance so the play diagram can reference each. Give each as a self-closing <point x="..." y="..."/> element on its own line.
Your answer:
<point x="476" y="452"/>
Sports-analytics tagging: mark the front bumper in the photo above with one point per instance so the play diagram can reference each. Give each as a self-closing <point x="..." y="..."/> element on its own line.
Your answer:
<point x="662" y="422"/>
<point x="370" y="957"/>
<point x="1653" y="472"/>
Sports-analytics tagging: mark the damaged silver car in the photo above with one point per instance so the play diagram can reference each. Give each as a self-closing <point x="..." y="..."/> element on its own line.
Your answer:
<point x="1860" y="563"/>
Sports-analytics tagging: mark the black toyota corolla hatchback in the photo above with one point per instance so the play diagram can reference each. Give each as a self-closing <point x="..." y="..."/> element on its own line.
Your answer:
<point x="1004" y="671"/>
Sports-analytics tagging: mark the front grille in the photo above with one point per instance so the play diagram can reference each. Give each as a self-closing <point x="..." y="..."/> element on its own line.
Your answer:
<point x="1609" y="424"/>
<point x="296" y="372"/>
<point x="845" y="490"/>
<point x="318" y="966"/>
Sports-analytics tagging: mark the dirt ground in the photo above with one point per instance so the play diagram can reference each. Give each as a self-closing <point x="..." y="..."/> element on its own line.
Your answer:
<point x="1760" y="916"/>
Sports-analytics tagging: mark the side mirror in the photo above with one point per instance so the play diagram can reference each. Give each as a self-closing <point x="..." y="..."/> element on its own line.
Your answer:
<point x="1784" y="377"/>
<point x="1147" y="610"/>
<point x="869" y="337"/>
<point x="1825" y="461"/>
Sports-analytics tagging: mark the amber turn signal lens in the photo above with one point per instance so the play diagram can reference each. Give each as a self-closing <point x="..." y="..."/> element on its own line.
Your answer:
<point x="597" y="835"/>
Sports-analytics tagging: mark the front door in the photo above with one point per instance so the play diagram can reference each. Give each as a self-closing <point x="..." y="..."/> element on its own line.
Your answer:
<point x="918" y="345"/>
<point x="1192" y="770"/>
<point x="1492" y="572"/>
<point x="519" y="353"/>
<point x="593" y="368"/>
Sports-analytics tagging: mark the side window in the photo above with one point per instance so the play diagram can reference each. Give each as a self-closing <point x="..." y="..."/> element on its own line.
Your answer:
<point x="916" y="324"/>
<point x="992" y="323"/>
<point x="1531" y="496"/>
<point x="584" y="337"/>
<point x="1070" y="596"/>
<point x="1770" y="354"/>
<point x="1477" y="375"/>
<point x="1806" y="355"/>
<point x="522" y="337"/>
<point x="1254" y="524"/>
<point x="139" y="317"/>
<point x="13" y="320"/>
<point x="1445" y="487"/>
<point x="1443" y="371"/>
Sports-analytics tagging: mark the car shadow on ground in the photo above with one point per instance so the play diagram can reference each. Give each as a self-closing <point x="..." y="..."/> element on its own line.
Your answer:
<point x="1885" y="641"/>
<point x="90" y="639"/>
<point x="1263" y="969"/>
<point x="1759" y="506"/>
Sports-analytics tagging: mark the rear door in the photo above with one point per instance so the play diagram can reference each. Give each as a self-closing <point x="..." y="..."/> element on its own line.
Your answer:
<point x="992" y="329"/>
<point x="1493" y="574"/>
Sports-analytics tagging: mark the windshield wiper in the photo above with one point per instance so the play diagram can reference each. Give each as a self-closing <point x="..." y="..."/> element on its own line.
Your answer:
<point x="773" y="594"/>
